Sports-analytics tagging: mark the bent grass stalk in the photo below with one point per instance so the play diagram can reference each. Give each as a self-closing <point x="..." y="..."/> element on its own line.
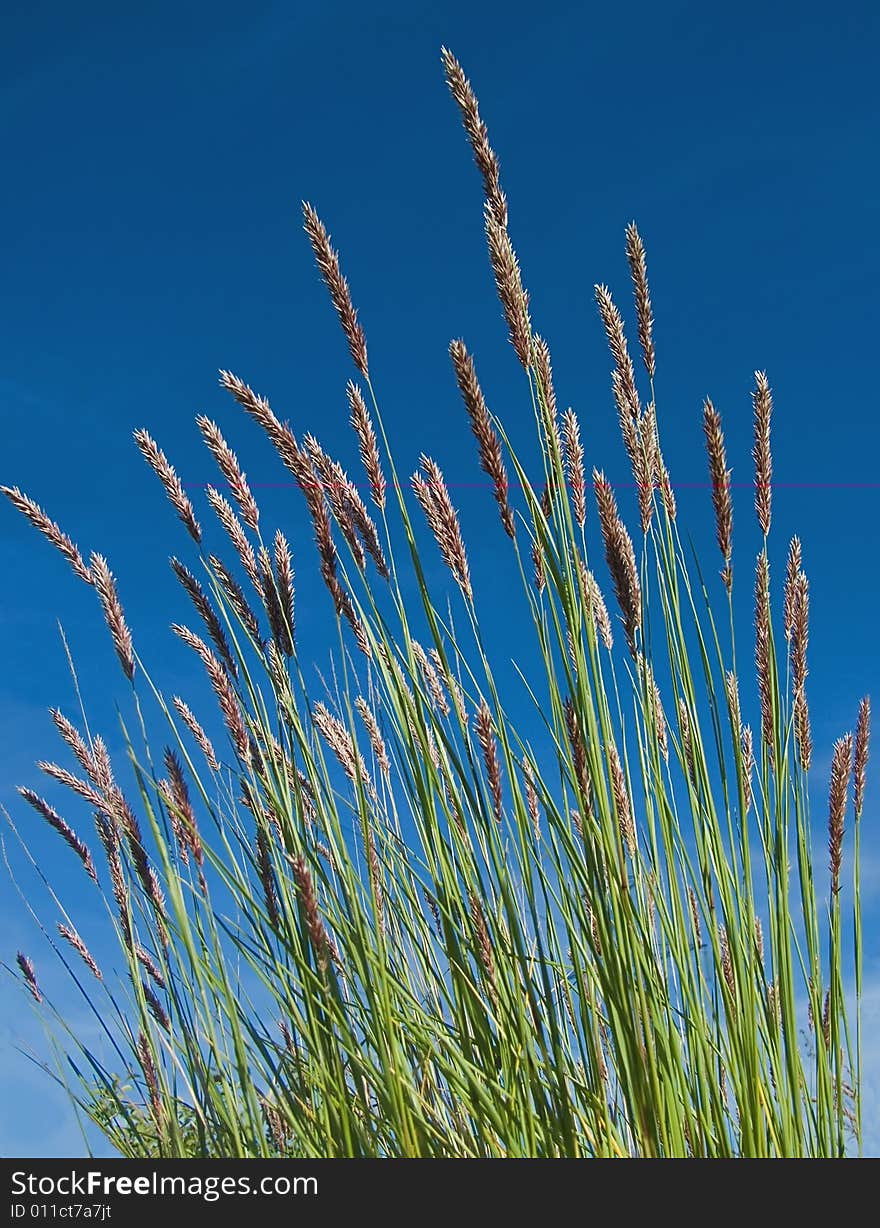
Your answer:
<point x="580" y="916"/>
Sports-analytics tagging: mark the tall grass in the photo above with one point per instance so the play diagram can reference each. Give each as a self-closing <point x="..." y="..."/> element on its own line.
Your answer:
<point x="381" y="920"/>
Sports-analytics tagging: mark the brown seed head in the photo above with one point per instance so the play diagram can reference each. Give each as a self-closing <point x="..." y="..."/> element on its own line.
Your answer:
<point x="442" y="518"/>
<point x="748" y="765"/>
<point x="620" y="556"/>
<point x="731" y="686"/>
<point x="726" y="962"/>
<point x="27" y="971"/>
<point x="315" y="928"/>
<point x="792" y="571"/>
<point x="204" y="742"/>
<point x="272" y="603"/>
<point x="544" y="370"/>
<point x="237" y="535"/>
<point x="284" y="580"/>
<point x="455" y="691"/>
<point x="667" y="492"/>
<point x="71" y="936"/>
<point x="348" y="507"/>
<point x="491" y="458"/>
<point x="374" y="734"/>
<point x="597" y="606"/>
<point x="720" y="476"/>
<point x="432" y="679"/>
<point x="267" y="877"/>
<point x="508" y="280"/>
<point x="687" y="741"/>
<point x="695" y="917"/>
<point x="622" y="803"/>
<point x="342" y="744"/>
<point x="125" y="821"/>
<point x="573" y="453"/>
<point x="81" y="787"/>
<point x="799" y="637"/>
<point x="151" y="1078"/>
<point x="228" y="464"/>
<point x="369" y="447"/>
<point x="236" y="598"/>
<point x="77" y="744"/>
<point x="531" y="796"/>
<point x="110" y="839"/>
<point x="762" y="649"/>
<point x="538" y="563"/>
<point x="625" y="385"/>
<point x="488" y="745"/>
<point x="105" y="586"/>
<point x="579" y="756"/>
<point x="863" y="736"/>
<point x="64" y="830"/>
<point x="635" y="254"/>
<point x="327" y="260"/>
<point x="483" y="942"/>
<point x="478" y="135"/>
<point x="207" y="612"/>
<point x="762" y="401"/>
<point x="149" y="965"/>
<point x="656" y="706"/>
<point x="223" y="689"/>
<point x="826" y="1019"/>
<point x="155" y="1007"/>
<point x="259" y="409"/>
<point x="841" y="766"/>
<point x="50" y="530"/>
<point x="639" y="438"/>
<point x="759" y="940"/>
<point x="332" y="480"/>
<point x="167" y="475"/>
<point x="183" y="818"/>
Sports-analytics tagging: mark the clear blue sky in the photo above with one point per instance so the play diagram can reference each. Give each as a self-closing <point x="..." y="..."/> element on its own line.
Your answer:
<point x="153" y="163"/>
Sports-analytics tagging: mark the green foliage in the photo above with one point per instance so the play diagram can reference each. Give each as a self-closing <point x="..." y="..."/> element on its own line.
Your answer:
<point x="422" y="914"/>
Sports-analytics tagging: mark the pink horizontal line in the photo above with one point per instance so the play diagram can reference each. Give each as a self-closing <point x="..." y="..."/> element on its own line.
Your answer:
<point x="484" y="485"/>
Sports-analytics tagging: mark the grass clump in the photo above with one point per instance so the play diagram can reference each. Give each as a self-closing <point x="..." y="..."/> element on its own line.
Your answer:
<point x="420" y="913"/>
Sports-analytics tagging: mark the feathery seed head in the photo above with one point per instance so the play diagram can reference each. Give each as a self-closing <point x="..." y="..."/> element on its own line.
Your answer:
<point x="720" y="476"/>
<point x="573" y="454"/>
<point x="762" y="401"/>
<point x="66" y="832"/>
<point x="27" y="971"/>
<point x="167" y="475"/>
<point x="228" y="464"/>
<point x="860" y="758"/>
<point x="315" y="928"/>
<point x="71" y="936"/>
<point x="369" y="447"/>
<point x="489" y="746"/>
<point x="204" y="742"/>
<point x="620" y="556"/>
<point x="50" y="530"/>
<point x="792" y="571"/>
<point x="431" y="492"/>
<point x="508" y="281"/>
<point x="841" y="766"/>
<point x="478" y="135"/>
<point x="625" y="385"/>
<point x="327" y="259"/>
<point x="105" y="586"/>
<point x="491" y="458"/>
<point x="762" y="649"/>
<point x="635" y="254"/>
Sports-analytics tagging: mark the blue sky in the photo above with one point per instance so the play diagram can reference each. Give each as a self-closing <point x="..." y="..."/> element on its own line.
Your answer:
<point x="154" y="164"/>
